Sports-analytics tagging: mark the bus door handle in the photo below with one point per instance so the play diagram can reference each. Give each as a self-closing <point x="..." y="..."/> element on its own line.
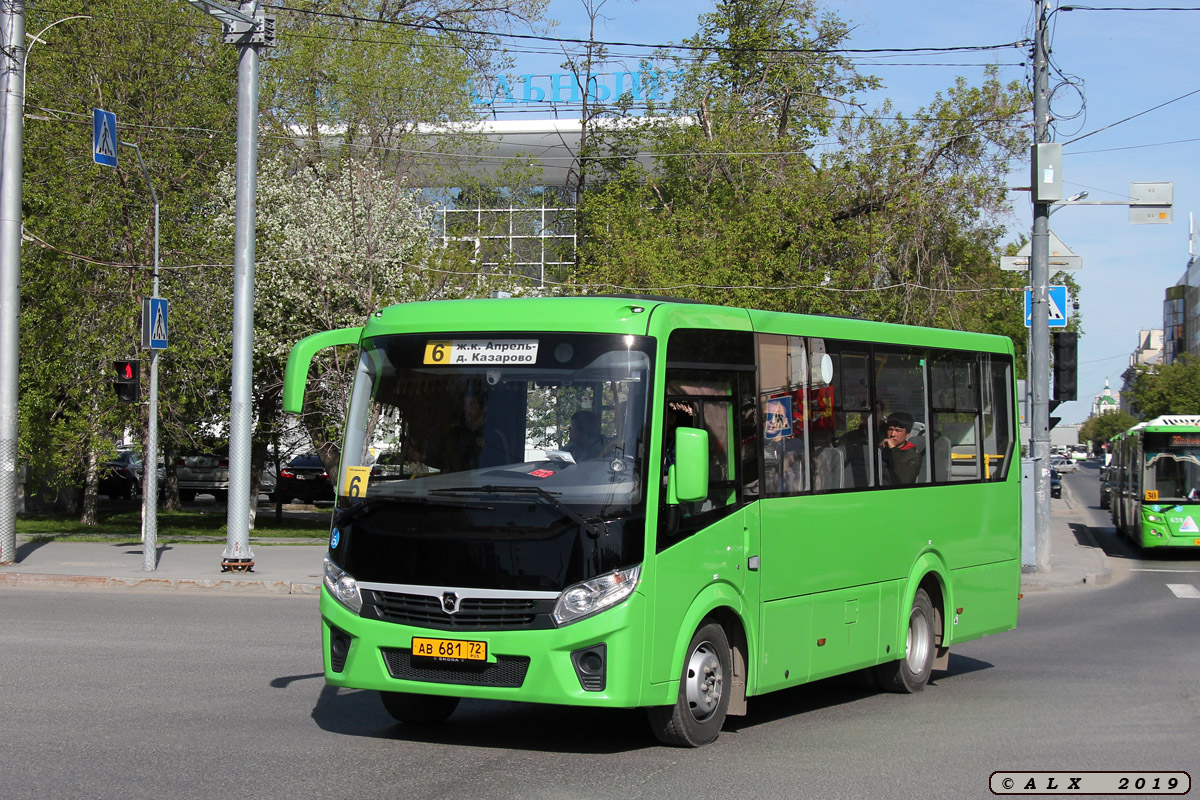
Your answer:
<point x="752" y="563"/>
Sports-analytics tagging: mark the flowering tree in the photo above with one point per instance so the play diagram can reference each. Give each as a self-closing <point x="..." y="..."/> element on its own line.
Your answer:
<point x="335" y="242"/>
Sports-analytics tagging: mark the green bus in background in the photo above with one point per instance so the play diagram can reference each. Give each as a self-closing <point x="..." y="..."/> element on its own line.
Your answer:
<point x="1155" y="480"/>
<point x="637" y="502"/>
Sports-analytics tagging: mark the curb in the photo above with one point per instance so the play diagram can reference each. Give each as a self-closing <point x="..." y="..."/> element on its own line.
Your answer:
<point x="28" y="579"/>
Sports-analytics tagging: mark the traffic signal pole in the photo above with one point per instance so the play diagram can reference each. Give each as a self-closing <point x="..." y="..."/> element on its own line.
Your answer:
<point x="150" y="456"/>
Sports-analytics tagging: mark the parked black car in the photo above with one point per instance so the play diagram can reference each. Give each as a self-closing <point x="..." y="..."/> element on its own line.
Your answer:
<point x="1055" y="484"/>
<point x="1105" y="488"/>
<point x="121" y="478"/>
<point x="304" y="478"/>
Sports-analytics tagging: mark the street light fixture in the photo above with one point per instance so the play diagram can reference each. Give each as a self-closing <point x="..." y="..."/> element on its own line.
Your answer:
<point x="1075" y="198"/>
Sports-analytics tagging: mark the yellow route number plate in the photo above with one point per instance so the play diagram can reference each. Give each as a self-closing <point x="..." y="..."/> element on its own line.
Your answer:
<point x="453" y="649"/>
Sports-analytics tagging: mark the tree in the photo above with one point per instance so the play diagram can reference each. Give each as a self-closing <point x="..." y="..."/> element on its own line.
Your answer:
<point x="336" y="241"/>
<point x="1099" y="428"/>
<point x="89" y="230"/>
<point x="900" y="221"/>
<point x="352" y="81"/>
<point x="1165" y="388"/>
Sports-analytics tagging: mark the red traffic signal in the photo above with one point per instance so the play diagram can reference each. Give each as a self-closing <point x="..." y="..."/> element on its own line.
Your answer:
<point x="127" y="384"/>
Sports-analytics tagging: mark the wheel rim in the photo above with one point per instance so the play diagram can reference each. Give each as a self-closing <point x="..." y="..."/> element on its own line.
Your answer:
<point x="916" y="645"/>
<point x="705" y="681"/>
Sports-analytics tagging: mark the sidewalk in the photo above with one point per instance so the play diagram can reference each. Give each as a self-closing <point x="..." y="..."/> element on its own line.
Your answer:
<point x="1075" y="560"/>
<point x="278" y="569"/>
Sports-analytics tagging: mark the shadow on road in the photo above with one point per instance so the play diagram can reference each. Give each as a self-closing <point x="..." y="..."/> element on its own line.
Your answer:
<point x="534" y="727"/>
<point x="490" y="724"/>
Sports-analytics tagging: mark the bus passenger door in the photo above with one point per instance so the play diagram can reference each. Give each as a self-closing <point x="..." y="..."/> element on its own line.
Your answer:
<point x="703" y="546"/>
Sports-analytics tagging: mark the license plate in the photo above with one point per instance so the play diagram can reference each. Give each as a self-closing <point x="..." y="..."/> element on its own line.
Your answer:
<point x="451" y="649"/>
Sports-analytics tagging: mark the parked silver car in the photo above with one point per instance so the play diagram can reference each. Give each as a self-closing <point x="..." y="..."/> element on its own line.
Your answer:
<point x="202" y="473"/>
<point x="206" y="473"/>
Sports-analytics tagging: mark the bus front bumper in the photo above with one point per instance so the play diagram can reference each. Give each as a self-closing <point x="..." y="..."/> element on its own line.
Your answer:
<point x="525" y="665"/>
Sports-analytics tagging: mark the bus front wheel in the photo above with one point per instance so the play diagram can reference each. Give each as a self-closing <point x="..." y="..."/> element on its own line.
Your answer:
<point x="420" y="709"/>
<point x="910" y="673"/>
<point x="699" y="710"/>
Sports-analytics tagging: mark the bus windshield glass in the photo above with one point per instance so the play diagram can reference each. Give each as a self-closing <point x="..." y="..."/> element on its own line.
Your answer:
<point x="556" y="420"/>
<point x="1173" y="465"/>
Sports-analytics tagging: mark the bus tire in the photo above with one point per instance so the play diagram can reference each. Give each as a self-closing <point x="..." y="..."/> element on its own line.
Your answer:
<point x="418" y="709"/>
<point x="909" y="674"/>
<point x="703" y="701"/>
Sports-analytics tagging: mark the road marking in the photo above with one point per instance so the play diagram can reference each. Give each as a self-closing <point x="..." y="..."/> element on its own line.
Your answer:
<point x="1184" y="590"/>
<point x="1152" y="569"/>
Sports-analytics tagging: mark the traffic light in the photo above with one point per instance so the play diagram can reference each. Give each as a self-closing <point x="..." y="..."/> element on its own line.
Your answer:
<point x="126" y="385"/>
<point x="1066" y="363"/>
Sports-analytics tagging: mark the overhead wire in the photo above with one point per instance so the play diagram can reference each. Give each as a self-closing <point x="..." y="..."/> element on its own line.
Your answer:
<point x="901" y="285"/>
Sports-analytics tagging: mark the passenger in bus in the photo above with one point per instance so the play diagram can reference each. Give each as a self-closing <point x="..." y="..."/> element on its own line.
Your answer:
<point x="586" y="440"/>
<point x="901" y="458"/>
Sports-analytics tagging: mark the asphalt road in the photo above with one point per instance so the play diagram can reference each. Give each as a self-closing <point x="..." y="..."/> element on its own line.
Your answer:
<point x="180" y="695"/>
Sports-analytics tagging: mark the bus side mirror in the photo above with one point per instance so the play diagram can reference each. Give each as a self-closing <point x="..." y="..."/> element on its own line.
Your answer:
<point x="687" y="479"/>
<point x="295" y="378"/>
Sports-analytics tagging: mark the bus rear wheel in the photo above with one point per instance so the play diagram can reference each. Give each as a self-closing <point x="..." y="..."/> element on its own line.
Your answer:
<point x="420" y="709"/>
<point x="703" y="701"/>
<point x="909" y="674"/>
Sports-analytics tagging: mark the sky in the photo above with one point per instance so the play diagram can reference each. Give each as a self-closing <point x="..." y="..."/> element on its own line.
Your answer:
<point x="1111" y="65"/>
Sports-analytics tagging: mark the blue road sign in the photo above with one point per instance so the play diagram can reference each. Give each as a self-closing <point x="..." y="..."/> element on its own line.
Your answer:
<point x="1057" y="295"/>
<point x="104" y="137"/>
<point x="154" y="323"/>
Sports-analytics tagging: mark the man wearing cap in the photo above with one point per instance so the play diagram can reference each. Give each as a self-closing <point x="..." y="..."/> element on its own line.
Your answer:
<point x="901" y="458"/>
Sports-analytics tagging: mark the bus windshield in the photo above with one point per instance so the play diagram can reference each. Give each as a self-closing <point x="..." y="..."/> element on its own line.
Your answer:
<point x="1173" y="465"/>
<point x="498" y="446"/>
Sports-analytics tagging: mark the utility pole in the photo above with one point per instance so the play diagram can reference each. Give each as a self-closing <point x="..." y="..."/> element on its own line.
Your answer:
<point x="1042" y="191"/>
<point x="249" y="28"/>
<point x="10" y="269"/>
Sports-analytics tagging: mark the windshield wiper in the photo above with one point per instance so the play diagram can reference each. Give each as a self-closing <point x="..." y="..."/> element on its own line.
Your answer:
<point x="588" y="526"/>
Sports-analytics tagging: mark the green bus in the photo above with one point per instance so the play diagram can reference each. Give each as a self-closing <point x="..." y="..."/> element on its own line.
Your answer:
<point x="1155" y="480"/>
<point x="639" y="502"/>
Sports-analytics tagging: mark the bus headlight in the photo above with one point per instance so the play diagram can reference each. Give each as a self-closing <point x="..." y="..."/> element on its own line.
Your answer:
<point x="591" y="596"/>
<point x="342" y="586"/>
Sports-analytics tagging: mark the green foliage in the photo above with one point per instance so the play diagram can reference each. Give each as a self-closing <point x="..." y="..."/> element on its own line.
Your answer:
<point x="1166" y="388"/>
<point x="1100" y="428"/>
<point x="761" y="197"/>
<point x="89" y="229"/>
<point x="340" y="94"/>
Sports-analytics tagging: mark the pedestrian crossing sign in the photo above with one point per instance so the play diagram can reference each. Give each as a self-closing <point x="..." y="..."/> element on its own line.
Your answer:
<point x="1057" y="295"/>
<point x="104" y="137"/>
<point x="154" y="323"/>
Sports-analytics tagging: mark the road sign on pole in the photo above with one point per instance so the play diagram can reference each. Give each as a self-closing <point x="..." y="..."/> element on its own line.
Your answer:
<point x="104" y="137"/>
<point x="1057" y="295"/>
<point x="154" y="323"/>
<point x="1061" y="257"/>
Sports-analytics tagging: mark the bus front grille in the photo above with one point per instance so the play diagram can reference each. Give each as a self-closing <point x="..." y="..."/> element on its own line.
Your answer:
<point x="474" y="613"/>
<point x="507" y="671"/>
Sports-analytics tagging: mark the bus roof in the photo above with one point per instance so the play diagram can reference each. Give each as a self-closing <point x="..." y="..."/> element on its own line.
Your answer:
<point x="632" y="314"/>
<point x="1168" y="422"/>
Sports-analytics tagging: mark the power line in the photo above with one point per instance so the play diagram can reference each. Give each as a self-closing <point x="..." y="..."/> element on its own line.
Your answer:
<point x="643" y="45"/>
<point x="1132" y="116"/>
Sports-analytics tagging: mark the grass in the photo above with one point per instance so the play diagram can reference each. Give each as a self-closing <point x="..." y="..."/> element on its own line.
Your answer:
<point x="199" y="525"/>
